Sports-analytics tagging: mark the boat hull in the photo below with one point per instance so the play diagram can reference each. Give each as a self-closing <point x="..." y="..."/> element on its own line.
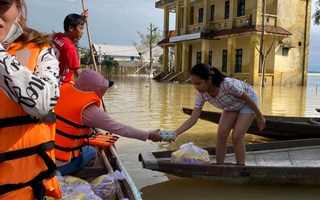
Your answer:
<point x="290" y="162"/>
<point x="277" y="127"/>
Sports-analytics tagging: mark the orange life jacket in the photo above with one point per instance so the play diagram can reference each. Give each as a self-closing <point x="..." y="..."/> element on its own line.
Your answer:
<point x="69" y="126"/>
<point x="27" y="167"/>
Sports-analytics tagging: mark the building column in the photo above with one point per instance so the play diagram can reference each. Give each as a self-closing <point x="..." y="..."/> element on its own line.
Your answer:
<point x="186" y="17"/>
<point x="178" y="21"/>
<point x="257" y="12"/>
<point x="232" y="13"/>
<point x="177" y="57"/>
<point x="232" y="42"/>
<point x="255" y="62"/>
<point x="166" y="23"/>
<point x="166" y="59"/>
<point x="206" y="15"/>
<point x="205" y="51"/>
<point x="184" y="59"/>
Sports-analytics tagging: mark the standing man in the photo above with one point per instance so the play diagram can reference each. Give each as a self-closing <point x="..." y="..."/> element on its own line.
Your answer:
<point x="65" y="50"/>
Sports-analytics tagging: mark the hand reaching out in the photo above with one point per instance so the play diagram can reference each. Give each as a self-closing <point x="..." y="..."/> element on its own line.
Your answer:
<point x="155" y="136"/>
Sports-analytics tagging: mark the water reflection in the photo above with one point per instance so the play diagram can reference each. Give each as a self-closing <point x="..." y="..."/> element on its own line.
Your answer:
<point x="148" y="104"/>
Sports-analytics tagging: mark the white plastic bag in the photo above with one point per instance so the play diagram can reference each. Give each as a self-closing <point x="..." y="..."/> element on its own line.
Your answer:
<point x="190" y="154"/>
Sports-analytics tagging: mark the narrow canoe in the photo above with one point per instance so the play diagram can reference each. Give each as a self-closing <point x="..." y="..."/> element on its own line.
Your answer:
<point x="277" y="127"/>
<point x="292" y="162"/>
<point x="108" y="161"/>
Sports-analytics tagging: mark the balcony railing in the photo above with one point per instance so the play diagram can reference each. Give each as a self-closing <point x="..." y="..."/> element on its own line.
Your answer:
<point x="195" y="28"/>
<point x="241" y="21"/>
<point x="271" y="20"/>
<point x="220" y="25"/>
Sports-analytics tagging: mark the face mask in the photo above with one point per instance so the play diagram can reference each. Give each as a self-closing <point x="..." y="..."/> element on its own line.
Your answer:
<point x="14" y="32"/>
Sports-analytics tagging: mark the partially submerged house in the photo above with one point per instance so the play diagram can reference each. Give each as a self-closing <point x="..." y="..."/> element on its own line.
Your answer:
<point x="127" y="56"/>
<point x="118" y="52"/>
<point x="226" y="34"/>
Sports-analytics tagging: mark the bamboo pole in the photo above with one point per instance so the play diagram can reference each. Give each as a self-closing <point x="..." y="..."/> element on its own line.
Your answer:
<point x="89" y="40"/>
<point x="100" y="150"/>
<point x="110" y="169"/>
<point x="91" y="51"/>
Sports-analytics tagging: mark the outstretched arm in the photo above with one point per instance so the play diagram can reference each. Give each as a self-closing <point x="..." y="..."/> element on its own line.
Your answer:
<point x="189" y="123"/>
<point x="96" y="117"/>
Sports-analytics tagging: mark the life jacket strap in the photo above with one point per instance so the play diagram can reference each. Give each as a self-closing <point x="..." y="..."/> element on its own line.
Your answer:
<point x="37" y="182"/>
<point x="11" y="155"/>
<point x="71" y="123"/>
<point x="22" y="120"/>
<point x="68" y="149"/>
<point x="73" y="137"/>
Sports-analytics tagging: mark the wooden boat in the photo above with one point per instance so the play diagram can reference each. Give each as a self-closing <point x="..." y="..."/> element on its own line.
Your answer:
<point x="107" y="162"/>
<point x="292" y="162"/>
<point x="277" y="127"/>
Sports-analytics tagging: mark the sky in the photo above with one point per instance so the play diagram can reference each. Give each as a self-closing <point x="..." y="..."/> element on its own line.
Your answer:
<point x="117" y="22"/>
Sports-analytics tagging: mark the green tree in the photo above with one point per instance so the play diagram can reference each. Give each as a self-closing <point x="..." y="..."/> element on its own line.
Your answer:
<point x="150" y="39"/>
<point x="83" y="54"/>
<point x="108" y="65"/>
<point x="316" y="15"/>
<point x="161" y="59"/>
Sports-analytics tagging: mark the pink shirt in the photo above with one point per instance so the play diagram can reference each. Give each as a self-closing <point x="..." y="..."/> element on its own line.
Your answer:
<point x="228" y="97"/>
<point x="95" y="117"/>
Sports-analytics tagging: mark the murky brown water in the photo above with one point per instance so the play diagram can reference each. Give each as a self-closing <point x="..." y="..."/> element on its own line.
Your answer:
<point x="148" y="104"/>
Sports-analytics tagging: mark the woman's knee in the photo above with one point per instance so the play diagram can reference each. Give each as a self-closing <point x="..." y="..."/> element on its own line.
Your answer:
<point x="222" y="135"/>
<point x="237" y="138"/>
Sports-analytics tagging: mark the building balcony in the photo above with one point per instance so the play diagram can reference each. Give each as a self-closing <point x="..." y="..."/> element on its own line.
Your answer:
<point x="220" y="25"/>
<point x="270" y="20"/>
<point x="161" y="3"/>
<point x="241" y="21"/>
<point x="195" y="28"/>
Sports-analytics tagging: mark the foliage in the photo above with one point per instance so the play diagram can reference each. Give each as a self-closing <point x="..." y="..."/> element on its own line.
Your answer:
<point x="160" y="60"/>
<point x="108" y="65"/>
<point x="152" y="37"/>
<point x="316" y="15"/>
<point x="83" y="53"/>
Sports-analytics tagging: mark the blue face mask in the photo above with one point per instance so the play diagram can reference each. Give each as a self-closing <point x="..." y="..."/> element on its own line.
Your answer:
<point x="14" y="32"/>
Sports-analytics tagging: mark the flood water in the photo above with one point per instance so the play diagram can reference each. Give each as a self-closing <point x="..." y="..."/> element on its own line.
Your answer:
<point x="147" y="104"/>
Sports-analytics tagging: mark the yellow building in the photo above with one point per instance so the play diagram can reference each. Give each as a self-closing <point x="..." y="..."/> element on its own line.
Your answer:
<point x="226" y="34"/>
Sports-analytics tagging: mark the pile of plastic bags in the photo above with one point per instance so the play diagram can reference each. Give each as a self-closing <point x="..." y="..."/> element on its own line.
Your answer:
<point x="74" y="188"/>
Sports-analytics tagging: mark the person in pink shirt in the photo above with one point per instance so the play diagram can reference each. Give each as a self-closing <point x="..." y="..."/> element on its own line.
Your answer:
<point x="65" y="50"/>
<point x="94" y="116"/>
<point x="238" y="102"/>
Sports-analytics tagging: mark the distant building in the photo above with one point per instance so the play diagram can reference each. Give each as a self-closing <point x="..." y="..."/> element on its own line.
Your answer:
<point x="144" y="52"/>
<point x="118" y="52"/>
<point x="127" y="56"/>
<point x="222" y="33"/>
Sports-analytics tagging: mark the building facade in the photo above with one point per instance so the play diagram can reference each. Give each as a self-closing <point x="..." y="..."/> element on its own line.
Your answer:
<point x="226" y="34"/>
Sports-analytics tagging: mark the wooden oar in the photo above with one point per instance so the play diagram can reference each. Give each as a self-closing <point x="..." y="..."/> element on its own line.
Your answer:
<point x="101" y="151"/>
<point x="110" y="170"/>
<point x="89" y="40"/>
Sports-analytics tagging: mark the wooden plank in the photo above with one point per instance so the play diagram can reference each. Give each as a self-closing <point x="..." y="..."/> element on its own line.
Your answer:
<point x="149" y="161"/>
